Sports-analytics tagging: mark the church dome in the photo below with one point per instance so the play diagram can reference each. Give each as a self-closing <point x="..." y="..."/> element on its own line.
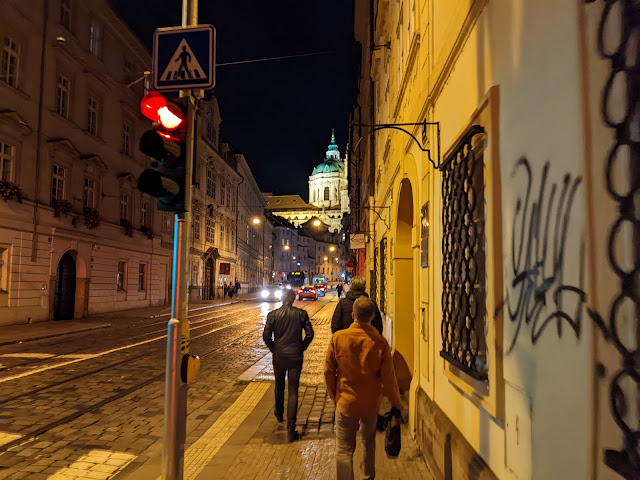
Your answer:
<point x="332" y="162"/>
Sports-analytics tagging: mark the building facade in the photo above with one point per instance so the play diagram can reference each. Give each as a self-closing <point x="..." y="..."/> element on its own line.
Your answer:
<point x="82" y="239"/>
<point x="489" y="228"/>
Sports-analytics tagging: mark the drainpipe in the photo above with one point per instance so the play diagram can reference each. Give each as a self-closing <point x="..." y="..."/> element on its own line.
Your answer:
<point x="34" y="243"/>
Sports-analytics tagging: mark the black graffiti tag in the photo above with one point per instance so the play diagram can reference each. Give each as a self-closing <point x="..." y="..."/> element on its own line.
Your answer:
<point x="538" y="244"/>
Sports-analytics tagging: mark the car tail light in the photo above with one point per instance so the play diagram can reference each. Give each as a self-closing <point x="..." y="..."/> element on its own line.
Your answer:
<point x="299" y="291"/>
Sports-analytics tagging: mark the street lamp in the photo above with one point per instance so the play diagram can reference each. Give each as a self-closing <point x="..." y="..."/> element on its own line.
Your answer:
<point x="317" y="223"/>
<point x="332" y="248"/>
<point x="257" y="221"/>
<point x="286" y="247"/>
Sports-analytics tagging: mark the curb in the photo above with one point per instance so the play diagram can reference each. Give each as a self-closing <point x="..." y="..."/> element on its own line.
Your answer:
<point x="51" y="335"/>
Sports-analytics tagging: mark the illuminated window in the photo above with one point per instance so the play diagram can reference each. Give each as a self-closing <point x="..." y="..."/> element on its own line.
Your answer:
<point x="211" y="183"/>
<point x="57" y="182"/>
<point x="10" y="62"/>
<point x="221" y="234"/>
<point x="7" y="159"/>
<point x="211" y="230"/>
<point x="223" y="189"/>
<point x="62" y="96"/>
<point x="4" y="268"/>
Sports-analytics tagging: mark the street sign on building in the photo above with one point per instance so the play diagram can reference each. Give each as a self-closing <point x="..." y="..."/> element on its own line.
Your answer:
<point x="356" y="241"/>
<point x="184" y="58"/>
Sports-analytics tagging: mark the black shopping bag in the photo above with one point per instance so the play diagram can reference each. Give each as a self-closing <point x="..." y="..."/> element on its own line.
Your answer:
<point x="392" y="440"/>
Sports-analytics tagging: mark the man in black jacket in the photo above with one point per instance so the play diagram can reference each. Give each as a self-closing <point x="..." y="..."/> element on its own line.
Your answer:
<point x="342" y="317"/>
<point x="283" y="335"/>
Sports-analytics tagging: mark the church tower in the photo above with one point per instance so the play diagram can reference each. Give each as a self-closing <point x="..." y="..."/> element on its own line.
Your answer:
<point x="328" y="180"/>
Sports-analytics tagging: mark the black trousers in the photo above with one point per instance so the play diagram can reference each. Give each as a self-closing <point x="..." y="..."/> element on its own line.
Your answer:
<point x="292" y="368"/>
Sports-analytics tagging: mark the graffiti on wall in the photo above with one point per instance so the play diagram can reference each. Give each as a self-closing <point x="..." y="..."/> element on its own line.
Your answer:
<point x="540" y="295"/>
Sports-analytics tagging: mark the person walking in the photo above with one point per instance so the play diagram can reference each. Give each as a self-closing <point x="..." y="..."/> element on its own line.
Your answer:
<point x="342" y="317"/>
<point x="283" y="335"/>
<point x="225" y="290"/>
<point x="358" y="370"/>
<point x="339" y="289"/>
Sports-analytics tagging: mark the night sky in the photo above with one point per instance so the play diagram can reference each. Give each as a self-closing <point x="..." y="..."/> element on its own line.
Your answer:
<point x="278" y="113"/>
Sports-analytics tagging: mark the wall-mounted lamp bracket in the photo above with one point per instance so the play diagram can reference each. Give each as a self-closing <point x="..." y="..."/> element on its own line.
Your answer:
<point x="397" y="126"/>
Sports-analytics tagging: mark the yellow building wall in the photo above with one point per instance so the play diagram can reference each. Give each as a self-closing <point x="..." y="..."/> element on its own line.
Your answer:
<point x="535" y="419"/>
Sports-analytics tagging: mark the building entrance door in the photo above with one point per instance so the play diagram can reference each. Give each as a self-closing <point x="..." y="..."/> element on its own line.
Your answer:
<point x="65" y="288"/>
<point x="209" y="280"/>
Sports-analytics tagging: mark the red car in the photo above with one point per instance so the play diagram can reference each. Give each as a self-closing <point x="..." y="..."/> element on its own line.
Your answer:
<point x="307" y="292"/>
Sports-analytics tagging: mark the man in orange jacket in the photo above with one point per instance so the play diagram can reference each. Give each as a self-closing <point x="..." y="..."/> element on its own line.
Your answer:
<point x="358" y="371"/>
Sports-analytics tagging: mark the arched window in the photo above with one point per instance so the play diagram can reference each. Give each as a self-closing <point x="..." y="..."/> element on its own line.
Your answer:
<point x="326" y="193"/>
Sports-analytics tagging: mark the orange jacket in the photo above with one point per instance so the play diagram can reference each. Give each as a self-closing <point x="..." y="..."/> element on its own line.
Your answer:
<point x="358" y="370"/>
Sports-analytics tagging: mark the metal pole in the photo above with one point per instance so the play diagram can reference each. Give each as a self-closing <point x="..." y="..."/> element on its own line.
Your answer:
<point x="175" y="410"/>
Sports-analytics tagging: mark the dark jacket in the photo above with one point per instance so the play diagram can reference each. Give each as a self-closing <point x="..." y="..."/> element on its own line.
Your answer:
<point x="283" y="332"/>
<point x="342" y="314"/>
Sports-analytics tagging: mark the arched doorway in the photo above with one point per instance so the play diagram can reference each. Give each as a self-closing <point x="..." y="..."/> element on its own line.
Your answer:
<point x="404" y="274"/>
<point x="209" y="279"/>
<point x="65" y="288"/>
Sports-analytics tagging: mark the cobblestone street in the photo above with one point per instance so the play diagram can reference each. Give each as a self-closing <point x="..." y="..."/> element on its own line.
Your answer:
<point x="89" y="405"/>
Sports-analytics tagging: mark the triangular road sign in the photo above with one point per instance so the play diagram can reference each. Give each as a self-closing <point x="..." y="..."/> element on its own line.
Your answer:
<point x="183" y="65"/>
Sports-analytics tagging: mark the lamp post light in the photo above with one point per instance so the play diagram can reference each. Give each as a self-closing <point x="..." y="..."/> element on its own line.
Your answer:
<point x="257" y="221"/>
<point x="317" y="223"/>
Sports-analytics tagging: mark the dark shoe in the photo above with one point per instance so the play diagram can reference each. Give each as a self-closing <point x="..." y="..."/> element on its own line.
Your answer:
<point x="292" y="436"/>
<point x="279" y="417"/>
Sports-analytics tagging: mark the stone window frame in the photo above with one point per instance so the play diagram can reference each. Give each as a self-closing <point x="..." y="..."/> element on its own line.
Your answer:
<point x="63" y="92"/>
<point x="7" y="158"/>
<point x="124" y="204"/>
<point x="145" y="212"/>
<point x="60" y="175"/>
<point x="89" y="189"/>
<point x="10" y="61"/>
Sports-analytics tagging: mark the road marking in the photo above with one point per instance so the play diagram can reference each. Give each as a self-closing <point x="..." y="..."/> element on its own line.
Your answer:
<point x="198" y="455"/>
<point x="96" y="465"/>
<point x="6" y="437"/>
<point x="118" y="349"/>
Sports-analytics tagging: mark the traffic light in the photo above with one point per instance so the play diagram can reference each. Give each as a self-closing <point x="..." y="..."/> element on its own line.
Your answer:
<point x="166" y="144"/>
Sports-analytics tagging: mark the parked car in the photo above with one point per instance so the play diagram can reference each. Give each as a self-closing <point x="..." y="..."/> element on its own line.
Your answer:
<point x="307" y="291"/>
<point x="271" y="293"/>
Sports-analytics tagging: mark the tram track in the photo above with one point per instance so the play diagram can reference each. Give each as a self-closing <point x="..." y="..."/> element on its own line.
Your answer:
<point x="120" y="394"/>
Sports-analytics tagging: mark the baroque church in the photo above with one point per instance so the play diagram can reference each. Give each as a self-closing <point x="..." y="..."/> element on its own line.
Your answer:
<point x="328" y="194"/>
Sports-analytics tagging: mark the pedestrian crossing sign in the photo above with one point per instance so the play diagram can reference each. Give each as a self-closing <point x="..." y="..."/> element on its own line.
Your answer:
<point x="184" y="58"/>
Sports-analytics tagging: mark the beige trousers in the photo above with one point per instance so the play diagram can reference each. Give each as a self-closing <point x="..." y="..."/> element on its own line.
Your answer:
<point x="346" y="431"/>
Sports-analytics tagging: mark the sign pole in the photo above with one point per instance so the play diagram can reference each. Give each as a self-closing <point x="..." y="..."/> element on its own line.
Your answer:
<point x="175" y="410"/>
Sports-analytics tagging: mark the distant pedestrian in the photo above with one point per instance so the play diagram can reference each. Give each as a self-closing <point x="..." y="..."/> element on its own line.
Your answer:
<point x="283" y="335"/>
<point x="225" y="290"/>
<point x="339" y="289"/>
<point x="342" y="317"/>
<point x="358" y="371"/>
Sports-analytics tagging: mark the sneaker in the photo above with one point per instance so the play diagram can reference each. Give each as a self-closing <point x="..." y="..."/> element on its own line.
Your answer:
<point x="292" y="436"/>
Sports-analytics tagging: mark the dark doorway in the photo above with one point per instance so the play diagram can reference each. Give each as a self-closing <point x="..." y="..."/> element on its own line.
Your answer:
<point x="65" y="289"/>
<point x="209" y="280"/>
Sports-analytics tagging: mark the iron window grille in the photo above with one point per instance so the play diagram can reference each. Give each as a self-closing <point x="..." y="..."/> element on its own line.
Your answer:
<point x="463" y="259"/>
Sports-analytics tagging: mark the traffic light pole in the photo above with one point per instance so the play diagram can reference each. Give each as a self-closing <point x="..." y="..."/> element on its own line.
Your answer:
<point x="175" y="408"/>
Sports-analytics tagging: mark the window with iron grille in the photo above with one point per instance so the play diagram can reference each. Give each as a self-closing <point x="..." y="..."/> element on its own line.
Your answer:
<point x="463" y="259"/>
<point x="7" y="159"/>
<point x="10" y="62"/>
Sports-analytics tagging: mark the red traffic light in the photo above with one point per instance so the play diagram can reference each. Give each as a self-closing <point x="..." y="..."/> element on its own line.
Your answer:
<point x="156" y="108"/>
